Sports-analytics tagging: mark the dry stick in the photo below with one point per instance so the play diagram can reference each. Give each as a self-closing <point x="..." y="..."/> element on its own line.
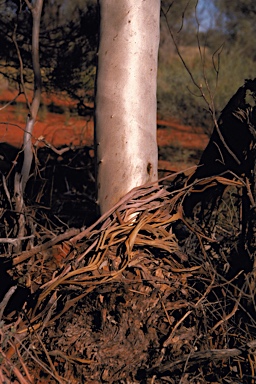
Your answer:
<point x="7" y="240"/>
<point x="231" y="314"/>
<point x="11" y="101"/>
<point x="35" y="359"/>
<point x="195" y="358"/>
<point x="12" y="124"/>
<point x="20" y="208"/>
<point x="2" y="377"/>
<point x="241" y="294"/>
<point x="55" y="373"/>
<point x="27" y="254"/>
<point x="25" y="368"/>
<point x="168" y="340"/>
<point x="7" y="191"/>
<point x="15" y="370"/>
<point x="14" y="39"/>
<point x="6" y="299"/>
<point x="49" y="145"/>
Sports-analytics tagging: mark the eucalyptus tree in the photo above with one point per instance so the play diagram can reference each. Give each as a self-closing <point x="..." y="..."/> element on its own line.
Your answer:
<point x="126" y="105"/>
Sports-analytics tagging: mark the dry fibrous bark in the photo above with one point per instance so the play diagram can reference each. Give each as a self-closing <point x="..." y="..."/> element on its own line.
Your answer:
<point x="230" y="151"/>
<point x="231" y="143"/>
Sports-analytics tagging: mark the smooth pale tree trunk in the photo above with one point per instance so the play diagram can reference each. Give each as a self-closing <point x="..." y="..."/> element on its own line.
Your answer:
<point x="36" y="10"/>
<point x="125" y="115"/>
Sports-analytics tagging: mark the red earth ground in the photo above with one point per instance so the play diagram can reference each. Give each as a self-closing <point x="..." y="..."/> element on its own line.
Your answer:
<point x="71" y="130"/>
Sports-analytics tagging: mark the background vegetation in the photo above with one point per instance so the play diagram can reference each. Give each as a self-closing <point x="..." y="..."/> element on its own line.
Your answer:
<point x="215" y="38"/>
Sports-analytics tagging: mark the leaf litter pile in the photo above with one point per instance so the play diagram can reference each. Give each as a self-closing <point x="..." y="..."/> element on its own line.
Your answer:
<point x="160" y="289"/>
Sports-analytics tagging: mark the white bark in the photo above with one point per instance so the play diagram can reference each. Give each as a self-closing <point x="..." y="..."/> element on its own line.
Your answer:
<point x="126" y="97"/>
<point x="36" y="10"/>
<point x="21" y="179"/>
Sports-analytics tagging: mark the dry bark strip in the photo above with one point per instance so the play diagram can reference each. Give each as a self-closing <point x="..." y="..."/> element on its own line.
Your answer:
<point x="192" y="359"/>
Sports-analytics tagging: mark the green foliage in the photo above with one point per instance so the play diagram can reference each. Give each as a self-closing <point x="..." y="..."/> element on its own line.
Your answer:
<point x="68" y="44"/>
<point x="237" y="20"/>
<point x="179" y="97"/>
<point x="231" y="35"/>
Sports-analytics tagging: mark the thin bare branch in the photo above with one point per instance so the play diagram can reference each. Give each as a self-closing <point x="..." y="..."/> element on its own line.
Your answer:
<point x="22" y="82"/>
<point x="6" y="299"/>
<point x="36" y="11"/>
<point x="183" y="16"/>
<point x="11" y="101"/>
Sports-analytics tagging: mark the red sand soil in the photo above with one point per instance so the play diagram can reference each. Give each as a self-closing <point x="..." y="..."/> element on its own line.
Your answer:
<point x="65" y="129"/>
<point x="57" y="129"/>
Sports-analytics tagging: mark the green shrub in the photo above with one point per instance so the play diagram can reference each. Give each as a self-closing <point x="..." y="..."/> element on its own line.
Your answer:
<point x="179" y="98"/>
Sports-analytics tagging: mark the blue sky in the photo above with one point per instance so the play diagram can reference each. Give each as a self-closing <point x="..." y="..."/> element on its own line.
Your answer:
<point x="205" y="11"/>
